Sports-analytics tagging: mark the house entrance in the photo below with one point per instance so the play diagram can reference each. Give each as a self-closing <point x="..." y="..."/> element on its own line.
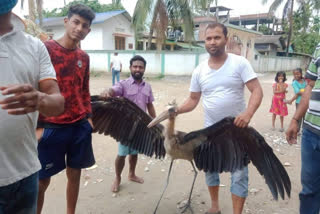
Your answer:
<point x="120" y="42"/>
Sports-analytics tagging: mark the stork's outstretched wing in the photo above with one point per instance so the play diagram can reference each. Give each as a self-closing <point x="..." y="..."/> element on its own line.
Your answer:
<point x="228" y="148"/>
<point x="127" y="123"/>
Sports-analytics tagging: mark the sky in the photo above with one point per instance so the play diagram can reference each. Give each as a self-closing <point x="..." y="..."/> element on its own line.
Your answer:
<point x="239" y="7"/>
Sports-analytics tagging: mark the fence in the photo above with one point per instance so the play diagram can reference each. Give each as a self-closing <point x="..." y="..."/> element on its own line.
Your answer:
<point x="183" y="63"/>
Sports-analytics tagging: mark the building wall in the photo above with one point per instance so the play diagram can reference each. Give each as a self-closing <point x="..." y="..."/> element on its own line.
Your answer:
<point x="117" y="25"/>
<point x="246" y="42"/>
<point x="264" y="64"/>
<point x="101" y="36"/>
<point x="183" y="63"/>
<point x="94" y="39"/>
<point x="56" y="31"/>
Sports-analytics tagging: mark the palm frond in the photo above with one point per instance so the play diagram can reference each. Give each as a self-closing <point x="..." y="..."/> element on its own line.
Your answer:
<point x="142" y="10"/>
<point x="161" y="23"/>
<point x="275" y="5"/>
<point x="180" y="14"/>
<point x="286" y="10"/>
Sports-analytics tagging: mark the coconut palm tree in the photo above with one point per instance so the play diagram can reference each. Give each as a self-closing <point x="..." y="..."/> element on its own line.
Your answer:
<point x="162" y="13"/>
<point x="32" y="9"/>
<point x="287" y="12"/>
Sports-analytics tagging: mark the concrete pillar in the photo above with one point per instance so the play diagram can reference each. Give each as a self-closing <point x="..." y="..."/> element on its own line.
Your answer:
<point x="258" y="23"/>
<point x="144" y="45"/>
<point x="273" y="23"/>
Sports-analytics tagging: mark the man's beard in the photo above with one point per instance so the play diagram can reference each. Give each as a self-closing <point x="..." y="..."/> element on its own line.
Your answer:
<point x="137" y="76"/>
<point x="216" y="53"/>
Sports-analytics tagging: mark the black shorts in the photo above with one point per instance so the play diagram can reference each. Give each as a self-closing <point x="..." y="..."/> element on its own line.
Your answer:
<point x="68" y="146"/>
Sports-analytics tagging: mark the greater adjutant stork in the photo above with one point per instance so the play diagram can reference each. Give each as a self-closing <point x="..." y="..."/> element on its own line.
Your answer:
<point x="222" y="147"/>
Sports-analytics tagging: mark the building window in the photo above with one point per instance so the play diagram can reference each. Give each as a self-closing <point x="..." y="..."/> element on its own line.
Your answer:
<point x="120" y="43"/>
<point x="130" y="46"/>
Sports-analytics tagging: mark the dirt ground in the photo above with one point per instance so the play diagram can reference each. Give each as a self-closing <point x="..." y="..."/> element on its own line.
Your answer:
<point x="95" y="195"/>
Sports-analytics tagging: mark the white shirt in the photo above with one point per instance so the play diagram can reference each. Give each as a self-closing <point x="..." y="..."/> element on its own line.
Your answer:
<point x="116" y="63"/>
<point x="222" y="90"/>
<point x="23" y="59"/>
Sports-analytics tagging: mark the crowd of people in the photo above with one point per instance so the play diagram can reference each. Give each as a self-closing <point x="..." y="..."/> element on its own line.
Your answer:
<point x="51" y="79"/>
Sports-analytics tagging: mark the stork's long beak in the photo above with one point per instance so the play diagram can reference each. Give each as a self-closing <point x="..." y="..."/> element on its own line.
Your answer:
<point x="163" y="116"/>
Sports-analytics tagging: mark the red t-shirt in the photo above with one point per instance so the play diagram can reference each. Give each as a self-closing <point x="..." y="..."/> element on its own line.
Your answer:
<point x="72" y="70"/>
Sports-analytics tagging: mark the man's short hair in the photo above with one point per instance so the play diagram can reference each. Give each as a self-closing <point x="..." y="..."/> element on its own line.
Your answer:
<point x="138" y="58"/>
<point x="216" y="24"/>
<point x="83" y="11"/>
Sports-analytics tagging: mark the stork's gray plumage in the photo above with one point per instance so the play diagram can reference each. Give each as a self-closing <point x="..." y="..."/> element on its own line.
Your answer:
<point x="222" y="147"/>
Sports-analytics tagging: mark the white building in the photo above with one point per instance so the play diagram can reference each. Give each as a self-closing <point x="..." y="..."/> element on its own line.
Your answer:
<point x="109" y="31"/>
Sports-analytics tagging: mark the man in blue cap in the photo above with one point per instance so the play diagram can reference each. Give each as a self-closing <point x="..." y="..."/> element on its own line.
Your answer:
<point x="27" y="86"/>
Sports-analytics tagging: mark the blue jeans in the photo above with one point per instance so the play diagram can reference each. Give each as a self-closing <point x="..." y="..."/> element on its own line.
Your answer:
<point x="115" y="73"/>
<point x="310" y="173"/>
<point x="20" y="197"/>
<point x="239" y="181"/>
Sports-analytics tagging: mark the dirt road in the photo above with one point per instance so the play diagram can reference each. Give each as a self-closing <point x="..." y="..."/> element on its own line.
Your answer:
<point x="96" y="197"/>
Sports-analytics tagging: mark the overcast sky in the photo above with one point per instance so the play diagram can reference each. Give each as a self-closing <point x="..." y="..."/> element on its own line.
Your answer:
<point x="239" y="7"/>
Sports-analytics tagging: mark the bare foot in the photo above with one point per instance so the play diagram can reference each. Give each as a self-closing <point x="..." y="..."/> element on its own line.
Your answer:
<point x="136" y="179"/>
<point x="213" y="211"/>
<point x="115" y="185"/>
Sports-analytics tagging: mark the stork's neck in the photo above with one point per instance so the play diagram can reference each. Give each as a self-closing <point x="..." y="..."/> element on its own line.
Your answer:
<point x="170" y="127"/>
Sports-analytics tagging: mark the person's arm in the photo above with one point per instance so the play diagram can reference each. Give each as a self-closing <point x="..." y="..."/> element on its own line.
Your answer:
<point x="297" y="92"/>
<point x="243" y="119"/>
<point x="151" y="110"/>
<point x="116" y="90"/>
<point x="111" y="64"/>
<point x="107" y="93"/>
<point x="293" y="98"/>
<point x="25" y="99"/>
<point x="86" y="98"/>
<point x="190" y="104"/>
<point x="292" y="131"/>
<point x="278" y="89"/>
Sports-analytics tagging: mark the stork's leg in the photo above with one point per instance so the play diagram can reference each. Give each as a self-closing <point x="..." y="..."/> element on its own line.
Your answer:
<point x="155" y="211"/>
<point x="188" y="204"/>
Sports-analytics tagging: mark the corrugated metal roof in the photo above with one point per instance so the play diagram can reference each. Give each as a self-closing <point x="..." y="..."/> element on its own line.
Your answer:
<point x="100" y="17"/>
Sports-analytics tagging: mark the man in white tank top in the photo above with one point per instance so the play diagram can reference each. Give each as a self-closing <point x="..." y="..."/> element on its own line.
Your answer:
<point x="220" y="81"/>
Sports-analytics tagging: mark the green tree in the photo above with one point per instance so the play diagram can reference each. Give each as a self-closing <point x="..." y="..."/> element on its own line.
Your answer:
<point x="306" y="28"/>
<point x="263" y="29"/>
<point x="287" y="13"/>
<point x="33" y="7"/>
<point x="157" y="15"/>
<point x="93" y="4"/>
